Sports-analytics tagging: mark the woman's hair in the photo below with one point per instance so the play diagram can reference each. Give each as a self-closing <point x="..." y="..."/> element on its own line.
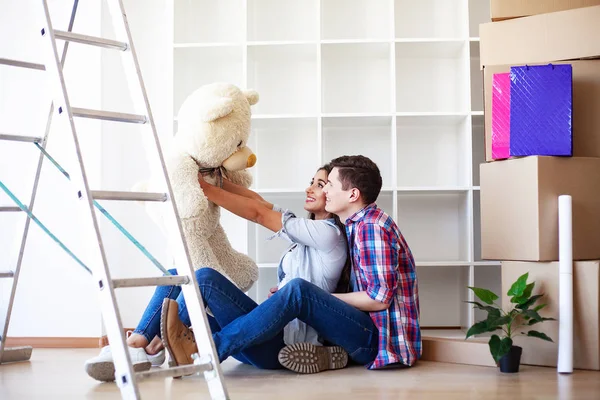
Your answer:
<point x="343" y="285"/>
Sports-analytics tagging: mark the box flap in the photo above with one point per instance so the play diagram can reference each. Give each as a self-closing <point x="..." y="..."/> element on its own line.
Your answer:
<point x="507" y="9"/>
<point x="564" y="35"/>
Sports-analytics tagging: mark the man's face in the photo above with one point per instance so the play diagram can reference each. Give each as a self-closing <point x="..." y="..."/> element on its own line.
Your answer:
<point x="337" y="199"/>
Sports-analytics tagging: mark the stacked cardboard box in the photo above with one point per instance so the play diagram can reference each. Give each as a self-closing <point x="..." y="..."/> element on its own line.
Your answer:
<point x="508" y="9"/>
<point x="541" y="72"/>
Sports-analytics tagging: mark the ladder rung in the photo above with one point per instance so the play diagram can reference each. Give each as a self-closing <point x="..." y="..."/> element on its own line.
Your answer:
<point x="182" y="370"/>
<point x="9" y="209"/>
<point x="157" y="281"/>
<point x="22" y="64"/>
<point x="109" y="115"/>
<point x="91" y="40"/>
<point x="128" y="196"/>
<point x="19" y="138"/>
<point x="6" y="274"/>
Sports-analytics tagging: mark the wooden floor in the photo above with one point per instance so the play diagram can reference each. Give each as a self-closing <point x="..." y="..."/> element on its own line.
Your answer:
<point x="58" y="374"/>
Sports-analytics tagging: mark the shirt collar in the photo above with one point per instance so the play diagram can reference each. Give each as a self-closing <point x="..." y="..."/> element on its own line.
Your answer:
<point x="357" y="216"/>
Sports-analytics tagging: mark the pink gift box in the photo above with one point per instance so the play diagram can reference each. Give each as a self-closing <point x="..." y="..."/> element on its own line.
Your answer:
<point x="501" y="116"/>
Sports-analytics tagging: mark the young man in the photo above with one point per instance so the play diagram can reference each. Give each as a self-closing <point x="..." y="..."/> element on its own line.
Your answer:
<point x="384" y="280"/>
<point x="377" y="323"/>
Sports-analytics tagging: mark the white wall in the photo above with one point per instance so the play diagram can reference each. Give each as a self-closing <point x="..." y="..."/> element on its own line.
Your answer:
<point x="56" y="297"/>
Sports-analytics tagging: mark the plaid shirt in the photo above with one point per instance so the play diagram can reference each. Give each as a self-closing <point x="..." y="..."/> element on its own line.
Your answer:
<point x="383" y="266"/>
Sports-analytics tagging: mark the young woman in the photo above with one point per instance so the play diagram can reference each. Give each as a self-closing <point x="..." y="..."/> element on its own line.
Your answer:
<point x="318" y="253"/>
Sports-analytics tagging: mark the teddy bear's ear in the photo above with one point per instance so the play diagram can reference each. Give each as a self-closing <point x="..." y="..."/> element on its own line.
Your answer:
<point x="218" y="108"/>
<point x="251" y="96"/>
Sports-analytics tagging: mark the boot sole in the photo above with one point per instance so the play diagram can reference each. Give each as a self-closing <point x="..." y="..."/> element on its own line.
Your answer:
<point x="163" y="333"/>
<point x="105" y="371"/>
<point x="164" y="338"/>
<point x="307" y="358"/>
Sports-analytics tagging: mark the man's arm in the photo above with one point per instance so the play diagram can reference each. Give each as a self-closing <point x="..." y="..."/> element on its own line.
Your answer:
<point x="362" y="301"/>
<point x="379" y="261"/>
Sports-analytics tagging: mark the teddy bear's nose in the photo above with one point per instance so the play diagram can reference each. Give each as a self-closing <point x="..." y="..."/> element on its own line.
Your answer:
<point x="251" y="161"/>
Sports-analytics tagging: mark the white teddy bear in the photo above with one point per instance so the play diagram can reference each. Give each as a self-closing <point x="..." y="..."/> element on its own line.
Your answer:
<point x="213" y="130"/>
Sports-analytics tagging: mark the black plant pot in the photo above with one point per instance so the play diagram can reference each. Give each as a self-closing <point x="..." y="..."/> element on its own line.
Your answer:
<point x="510" y="362"/>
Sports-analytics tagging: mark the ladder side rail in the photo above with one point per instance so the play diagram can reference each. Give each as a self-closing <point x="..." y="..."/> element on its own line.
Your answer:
<point x="96" y="258"/>
<point x="23" y="226"/>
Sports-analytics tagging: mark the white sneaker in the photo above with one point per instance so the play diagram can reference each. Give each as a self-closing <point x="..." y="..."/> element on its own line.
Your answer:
<point x="102" y="367"/>
<point x="157" y="359"/>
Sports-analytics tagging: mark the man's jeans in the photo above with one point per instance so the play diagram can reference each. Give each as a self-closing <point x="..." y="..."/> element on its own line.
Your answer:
<point x="253" y="333"/>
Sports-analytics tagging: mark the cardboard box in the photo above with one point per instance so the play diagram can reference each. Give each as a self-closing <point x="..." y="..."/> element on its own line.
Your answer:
<point x="500" y="132"/>
<point x="586" y="103"/>
<point x="565" y="35"/>
<point x="586" y="312"/>
<point x="508" y="9"/>
<point x="519" y="207"/>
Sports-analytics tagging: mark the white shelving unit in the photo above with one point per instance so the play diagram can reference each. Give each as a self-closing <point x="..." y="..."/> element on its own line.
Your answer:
<point x="395" y="80"/>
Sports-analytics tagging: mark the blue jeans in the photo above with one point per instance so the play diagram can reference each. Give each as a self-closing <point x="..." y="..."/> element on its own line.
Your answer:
<point x="225" y="305"/>
<point x="253" y="333"/>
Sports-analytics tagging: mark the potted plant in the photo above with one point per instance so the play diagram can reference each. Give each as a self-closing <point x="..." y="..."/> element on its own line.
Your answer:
<point x="523" y="315"/>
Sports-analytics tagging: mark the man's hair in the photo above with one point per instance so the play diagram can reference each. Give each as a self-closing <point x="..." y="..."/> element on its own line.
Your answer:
<point x="361" y="173"/>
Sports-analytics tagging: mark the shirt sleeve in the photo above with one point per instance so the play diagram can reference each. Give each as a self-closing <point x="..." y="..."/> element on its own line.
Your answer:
<point x="321" y="235"/>
<point x="277" y="208"/>
<point x="379" y="261"/>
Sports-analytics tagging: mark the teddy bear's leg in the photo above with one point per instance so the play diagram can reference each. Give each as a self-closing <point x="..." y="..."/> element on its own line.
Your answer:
<point x="201" y="253"/>
<point x="241" y="268"/>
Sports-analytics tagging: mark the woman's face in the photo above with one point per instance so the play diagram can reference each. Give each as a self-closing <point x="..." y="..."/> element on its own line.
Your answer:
<point x="315" y="198"/>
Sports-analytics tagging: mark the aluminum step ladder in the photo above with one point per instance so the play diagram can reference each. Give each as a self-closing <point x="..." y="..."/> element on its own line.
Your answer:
<point x="62" y="114"/>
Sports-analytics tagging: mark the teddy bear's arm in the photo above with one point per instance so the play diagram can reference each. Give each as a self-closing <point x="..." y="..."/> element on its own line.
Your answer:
<point x="242" y="178"/>
<point x="189" y="197"/>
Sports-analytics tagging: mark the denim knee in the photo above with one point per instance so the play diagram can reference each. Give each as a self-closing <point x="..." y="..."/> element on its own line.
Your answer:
<point x="296" y="286"/>
<point x="208" y="274"/>
<point x="172" y="271"/>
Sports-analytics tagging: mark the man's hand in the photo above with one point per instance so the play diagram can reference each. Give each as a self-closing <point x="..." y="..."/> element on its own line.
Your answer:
<point x="272" y="291"/>
<point x="362" y="301"/>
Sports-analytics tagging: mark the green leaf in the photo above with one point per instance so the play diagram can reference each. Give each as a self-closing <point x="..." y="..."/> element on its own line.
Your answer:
<point x="525" y="296"/>
<point x="498" y="347"/>
<point x="519" y="286"/>
<point x="485" y="295"/>
<point x="490" y="309"/>
<point x="478" y="328"/>
<point x="530" y="314"/>
<point x="481" y="327"/>
<point x="538" y="308"/>
<point x="540" y="335"/>
<point x="528" y="290"/>
<point x="525" y="305"/>
<point x="499" y="321"/>
<point x="533" y="321"/>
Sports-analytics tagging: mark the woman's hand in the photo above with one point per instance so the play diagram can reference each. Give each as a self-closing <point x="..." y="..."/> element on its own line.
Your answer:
<point x="260" y="212"/>
<point x="201" y="181"/>
<point x="272" y="291"/>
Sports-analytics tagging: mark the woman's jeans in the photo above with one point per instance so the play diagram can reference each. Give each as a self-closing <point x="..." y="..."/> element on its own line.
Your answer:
<point x="252" y="333"/>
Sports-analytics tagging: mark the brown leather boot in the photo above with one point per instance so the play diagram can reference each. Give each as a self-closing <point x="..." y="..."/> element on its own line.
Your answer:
<point x="307" y="358"/>
<point x="178" y="339"/>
